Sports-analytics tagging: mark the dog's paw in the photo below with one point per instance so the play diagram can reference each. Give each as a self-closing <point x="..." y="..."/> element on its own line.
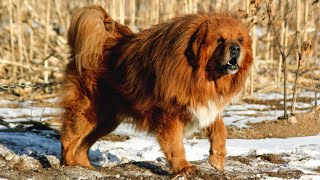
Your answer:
<point x="217" y="161"/>
<point x="76" y="163"/>
<point x="189" y="171"/>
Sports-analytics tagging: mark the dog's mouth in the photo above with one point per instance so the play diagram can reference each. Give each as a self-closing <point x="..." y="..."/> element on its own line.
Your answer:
<point x="231" y="67"/>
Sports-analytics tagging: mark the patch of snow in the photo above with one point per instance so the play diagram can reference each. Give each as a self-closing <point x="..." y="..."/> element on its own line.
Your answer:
<point x="269" y="96"/>
<point x="275" y="146"/>
<point x="314" y="102"/>
<point x="2" y="101"/>
<point x="34" y="118"/>
<point x="312" y="163"/>
<point x="245" y="112"/>
<point x="27" y="142"/>
<point x="53" y="100"/>
<point x="244" y="107"/>
<point x="9" y="113"/>
<point x="310" y="177"/>
<point x="241" y="121"/>
<point x="279" y="95"/>
<point x="273" y="113"/>
<point x="299" y="105"/>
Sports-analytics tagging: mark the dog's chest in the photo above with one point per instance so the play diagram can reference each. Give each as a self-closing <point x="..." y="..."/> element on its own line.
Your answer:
<point x="201" y="117"/>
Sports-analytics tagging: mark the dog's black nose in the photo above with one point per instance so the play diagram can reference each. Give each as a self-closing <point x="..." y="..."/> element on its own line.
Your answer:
<point x="235" y="51"/>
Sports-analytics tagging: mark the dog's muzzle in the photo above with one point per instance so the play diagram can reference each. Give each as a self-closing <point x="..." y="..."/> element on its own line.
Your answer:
<point x="232" y="65"/>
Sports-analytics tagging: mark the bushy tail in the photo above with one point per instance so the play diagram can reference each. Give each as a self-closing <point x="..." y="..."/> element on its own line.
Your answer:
<point x="89" y="29"/>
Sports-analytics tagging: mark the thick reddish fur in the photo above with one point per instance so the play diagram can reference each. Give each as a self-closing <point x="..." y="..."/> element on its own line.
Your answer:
<point x="151" y="78"/>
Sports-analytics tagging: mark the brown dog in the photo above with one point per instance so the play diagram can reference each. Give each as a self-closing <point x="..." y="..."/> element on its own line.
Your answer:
<point x="169" y="80"/>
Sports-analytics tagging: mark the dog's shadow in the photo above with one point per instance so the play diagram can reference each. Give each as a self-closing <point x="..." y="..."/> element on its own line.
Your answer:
<point x="155" y="169"/>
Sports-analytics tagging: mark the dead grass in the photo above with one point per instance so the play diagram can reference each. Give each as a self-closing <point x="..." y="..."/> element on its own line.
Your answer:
<point x="36" y="48"/>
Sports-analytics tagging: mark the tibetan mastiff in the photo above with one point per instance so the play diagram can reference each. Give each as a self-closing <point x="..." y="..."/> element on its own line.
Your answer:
<point x="169" y="80"/>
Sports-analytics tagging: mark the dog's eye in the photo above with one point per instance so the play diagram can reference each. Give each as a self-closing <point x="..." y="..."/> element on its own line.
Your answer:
<point x="220" y="40"/>
<point x="240" y="39"/>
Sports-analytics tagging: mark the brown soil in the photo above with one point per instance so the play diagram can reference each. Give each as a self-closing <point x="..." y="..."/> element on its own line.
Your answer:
<point x="41" y="169"/>
<point x="272" y="158"/>
<point x="115" y="137"/>
<point x="306" y="124"/>
<point x="292" y="174"/>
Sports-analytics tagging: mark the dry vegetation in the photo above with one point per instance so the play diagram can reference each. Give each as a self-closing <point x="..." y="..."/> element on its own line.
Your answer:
<point x="285" y="36"/>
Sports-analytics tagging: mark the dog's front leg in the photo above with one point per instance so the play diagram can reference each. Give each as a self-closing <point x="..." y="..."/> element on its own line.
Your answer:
<point x="217" y="134"/>
<point x="170" y="137"/>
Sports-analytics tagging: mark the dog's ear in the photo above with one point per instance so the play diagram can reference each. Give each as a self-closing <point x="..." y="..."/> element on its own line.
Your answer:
<point x="196" y="44"/>
<point x="122" y="30"/>
<point x="109" y="24"/>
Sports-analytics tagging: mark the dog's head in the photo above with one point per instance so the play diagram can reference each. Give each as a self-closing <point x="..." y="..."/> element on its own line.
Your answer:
<point x="221" y="46"/>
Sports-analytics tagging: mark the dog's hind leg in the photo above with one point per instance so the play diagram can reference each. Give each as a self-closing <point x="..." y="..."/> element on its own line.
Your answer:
<point x="75" y="127"/>
<point x="170" y="137"/>
<point x="105" y="125"/>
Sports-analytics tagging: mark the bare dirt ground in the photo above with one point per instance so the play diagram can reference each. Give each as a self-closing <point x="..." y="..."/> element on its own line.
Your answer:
<point x="39" y="166"/>
<point x="44" y="168"/>
<point x="302" y="124"/>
